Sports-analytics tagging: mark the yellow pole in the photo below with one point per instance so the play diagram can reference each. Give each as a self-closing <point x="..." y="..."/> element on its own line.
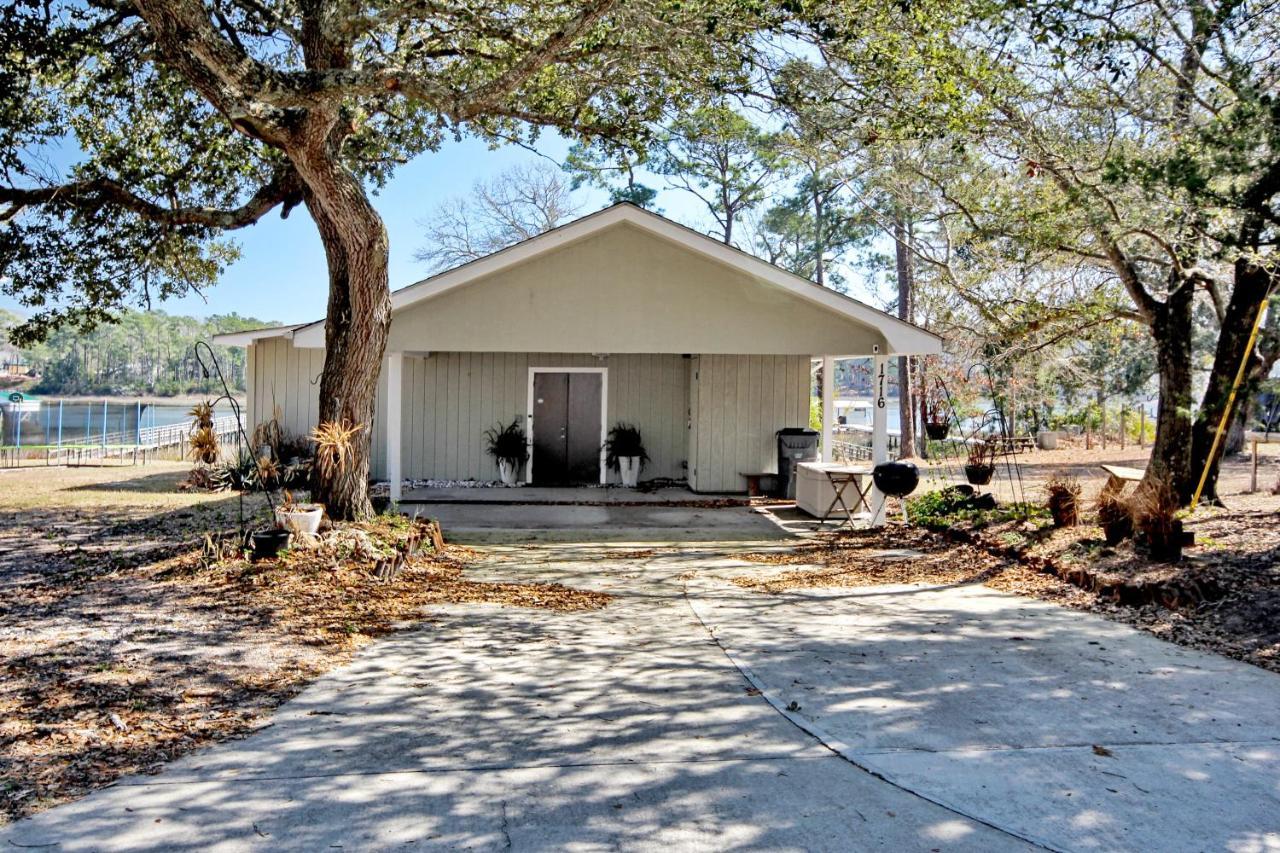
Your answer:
<point x="1231" y="400"/>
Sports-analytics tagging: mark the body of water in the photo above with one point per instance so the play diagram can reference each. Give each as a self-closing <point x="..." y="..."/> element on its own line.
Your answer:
<point x="44" y="420"/>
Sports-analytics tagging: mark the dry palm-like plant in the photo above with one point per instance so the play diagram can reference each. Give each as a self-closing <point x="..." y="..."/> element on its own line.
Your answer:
<point x="204" y="441"/>
<point x="268" y="471"/>
<point x="204" y="445"/>
<point x="269" y="432"/>
<point x="1064" y="500"/>
<point x="334" y="442"/>
<point x="201" y="415"/>
<point x="1114" y="517"/>
<point x="1156" y="517"/>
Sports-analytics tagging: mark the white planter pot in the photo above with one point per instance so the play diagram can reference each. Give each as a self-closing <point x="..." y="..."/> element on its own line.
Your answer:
<point x="629" y="470"/>
<point x="507" y="471"/>
<point x="303" y="519"/>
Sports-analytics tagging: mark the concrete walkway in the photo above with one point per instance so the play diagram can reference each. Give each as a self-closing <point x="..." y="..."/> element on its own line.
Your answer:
<point x="946" y="719"/>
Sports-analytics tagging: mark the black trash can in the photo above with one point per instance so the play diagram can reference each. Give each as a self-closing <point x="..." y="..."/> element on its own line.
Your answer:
<point x="795" y="445"/>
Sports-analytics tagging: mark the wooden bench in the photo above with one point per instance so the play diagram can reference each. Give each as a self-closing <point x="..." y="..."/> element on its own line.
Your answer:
<point x="1118" y="476"/>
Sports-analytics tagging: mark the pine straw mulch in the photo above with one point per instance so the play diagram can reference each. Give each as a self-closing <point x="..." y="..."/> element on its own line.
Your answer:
<point x="873" y="558"/>
<point x="1224" y="597"/>
<point x="125" y="670"/>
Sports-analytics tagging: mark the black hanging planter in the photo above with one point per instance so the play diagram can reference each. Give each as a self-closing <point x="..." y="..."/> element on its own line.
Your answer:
<point x="267" y="544"/>
<point x="979" y="475"/>
<point x="937" y="431"/>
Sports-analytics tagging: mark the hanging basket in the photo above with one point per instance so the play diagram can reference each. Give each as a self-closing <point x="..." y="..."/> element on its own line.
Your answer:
<point x="979" y="475"/>
<point x="937" y="431"/>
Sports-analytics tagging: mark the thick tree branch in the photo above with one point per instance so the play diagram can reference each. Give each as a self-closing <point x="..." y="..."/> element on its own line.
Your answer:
<point x="284" y="188"/>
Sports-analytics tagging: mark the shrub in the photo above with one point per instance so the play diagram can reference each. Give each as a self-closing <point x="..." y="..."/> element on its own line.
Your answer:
<point x="951" y="506"/>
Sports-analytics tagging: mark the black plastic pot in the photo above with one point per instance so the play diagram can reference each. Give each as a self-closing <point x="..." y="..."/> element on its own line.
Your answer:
<point x="937" y="432"/>
<point x="979" y="475"/>
<point x="1116" y="530"/>
<point x="1167" y="547"/>
<point x="267" y="544"/>
<point x="896" y="479"/>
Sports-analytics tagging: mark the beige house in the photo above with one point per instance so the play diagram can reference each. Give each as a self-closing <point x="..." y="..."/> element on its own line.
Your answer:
<point x="620" y="316"/>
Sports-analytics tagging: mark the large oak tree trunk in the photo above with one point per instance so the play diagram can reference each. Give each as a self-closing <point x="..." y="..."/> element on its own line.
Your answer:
<point x="1252" y="284"/>
<point x="1171" y="451"/>
<point x="355" y="244"/>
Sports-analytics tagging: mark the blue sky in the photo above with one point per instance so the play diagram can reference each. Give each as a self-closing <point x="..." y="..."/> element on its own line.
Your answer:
<point x="281" y="277"/>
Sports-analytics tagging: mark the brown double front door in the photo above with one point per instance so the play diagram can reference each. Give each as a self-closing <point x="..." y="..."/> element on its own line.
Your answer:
<point x="566" y="427"/>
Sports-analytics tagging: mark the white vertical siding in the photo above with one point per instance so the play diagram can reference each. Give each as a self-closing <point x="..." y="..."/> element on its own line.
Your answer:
<point x="737" y="403"/>
<point x="715" y="415"/>
<point x="283" y="377"/>
<point x="451" y="398"/>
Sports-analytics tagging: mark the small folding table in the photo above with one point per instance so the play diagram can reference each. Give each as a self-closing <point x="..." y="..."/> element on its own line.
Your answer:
<point x="842" y="478"/>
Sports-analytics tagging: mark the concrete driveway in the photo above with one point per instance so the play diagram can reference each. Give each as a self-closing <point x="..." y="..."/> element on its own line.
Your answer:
<point x="944" y="719"/>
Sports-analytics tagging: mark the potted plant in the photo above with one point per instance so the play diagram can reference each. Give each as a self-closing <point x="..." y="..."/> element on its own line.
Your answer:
<point x="982" y="462"/>
<point x="300" y="518"/>
<point x="204" y="441"/>
<point x="937" y="422"/>
<point x="1157" y="522"/>
<point x="1064" y="501"/>
<point x="624" y="452"/>
<point x="267" y="544"/>
<point x="1114" y="517"/>
<point x="508" y="445"/>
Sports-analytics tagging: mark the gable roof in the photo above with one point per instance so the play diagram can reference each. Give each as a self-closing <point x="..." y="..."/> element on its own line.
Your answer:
<point x="901" y="336"/>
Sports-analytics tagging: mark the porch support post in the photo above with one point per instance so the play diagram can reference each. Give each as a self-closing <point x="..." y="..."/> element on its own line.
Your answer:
<point x="879" y="430"/>
<point x="395" y="387"/>
<point x="828" y="408"/>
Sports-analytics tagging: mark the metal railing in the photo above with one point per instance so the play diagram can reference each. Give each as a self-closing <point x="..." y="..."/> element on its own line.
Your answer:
<point x="137" y="443"/>
<point x="852" y="443"/>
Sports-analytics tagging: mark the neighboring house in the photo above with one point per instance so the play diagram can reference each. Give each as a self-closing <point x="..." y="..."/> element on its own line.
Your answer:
<point x="12" y="362"/>
<point x="620" y="316"/>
